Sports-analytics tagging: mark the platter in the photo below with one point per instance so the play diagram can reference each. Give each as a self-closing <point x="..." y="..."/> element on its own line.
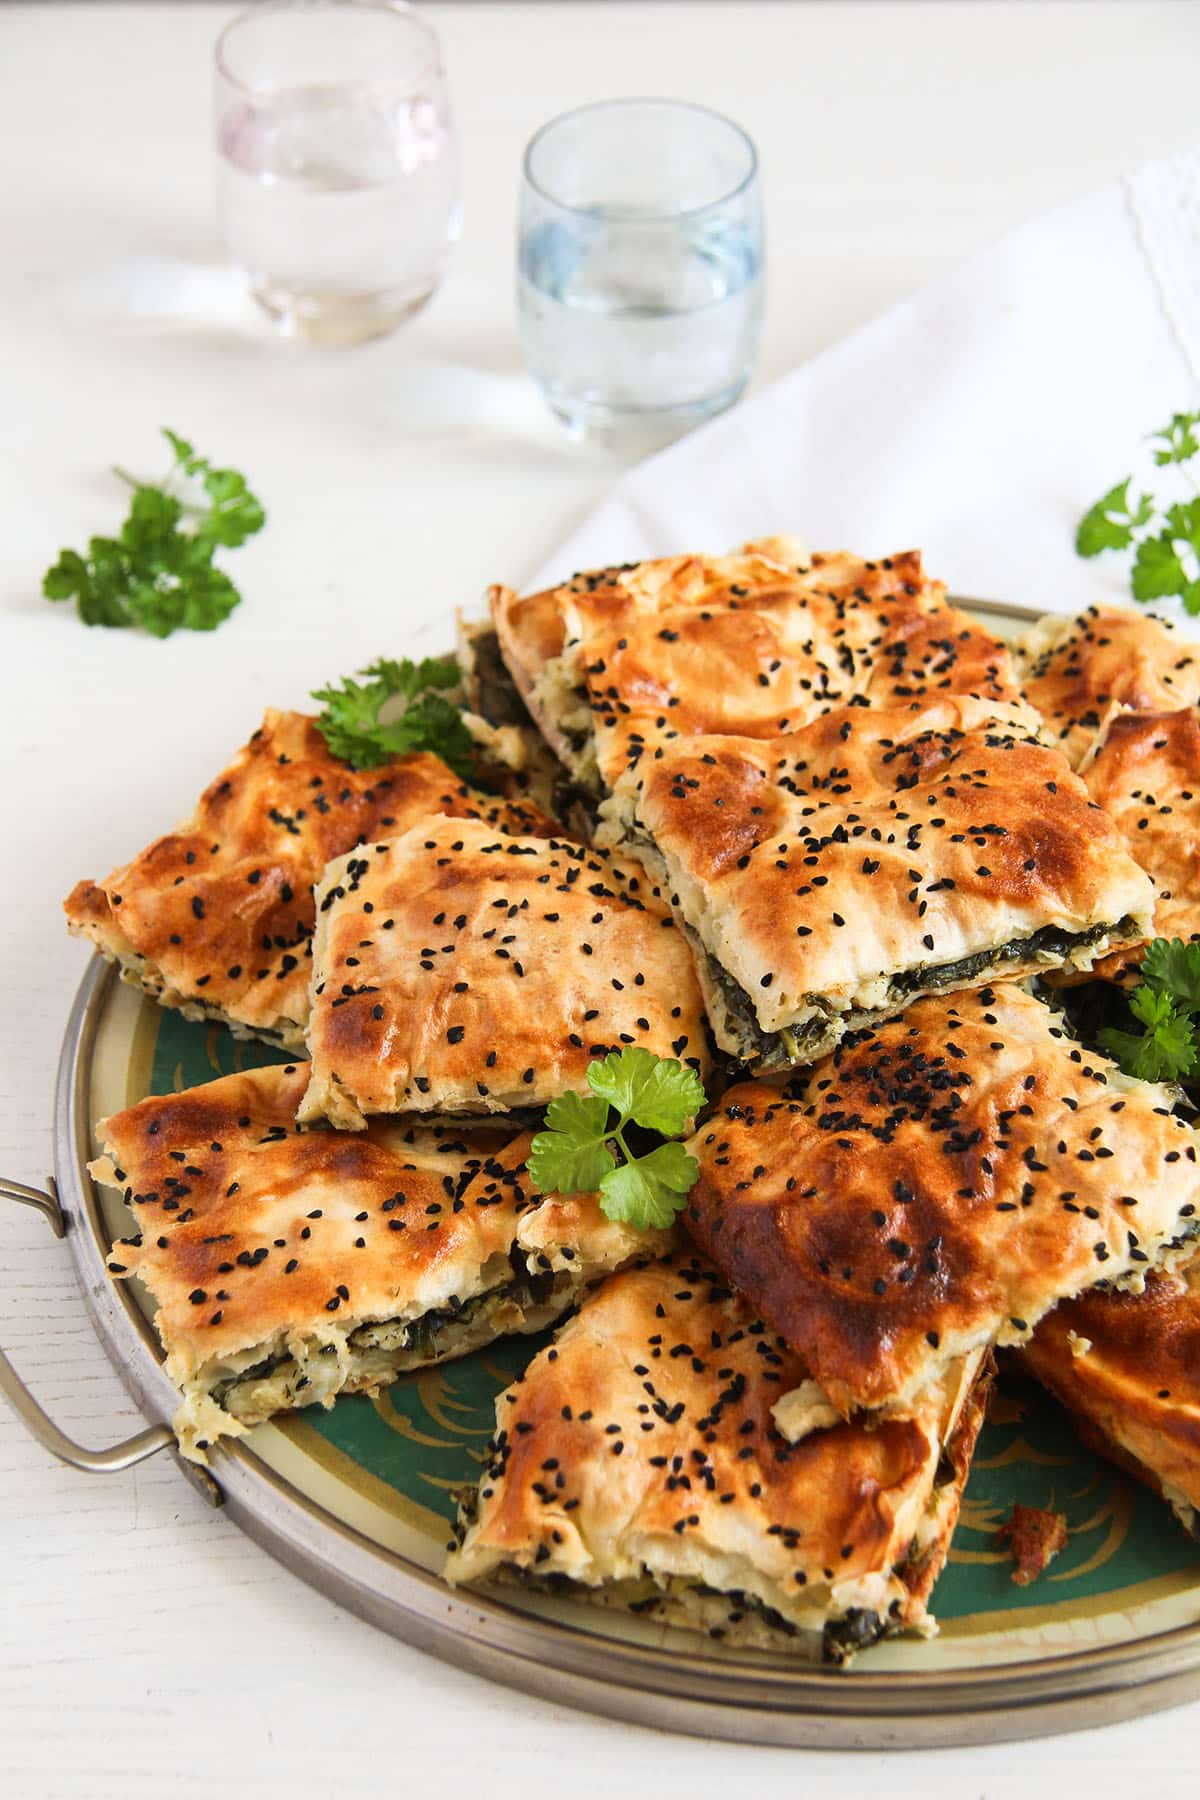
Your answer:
<point x="358" y="1501"/>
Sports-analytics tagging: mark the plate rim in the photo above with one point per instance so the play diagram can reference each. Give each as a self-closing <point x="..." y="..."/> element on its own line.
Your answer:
<point x="775" y="1703"/>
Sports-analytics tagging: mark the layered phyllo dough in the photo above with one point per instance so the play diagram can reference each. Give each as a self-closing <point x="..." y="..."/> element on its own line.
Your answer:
<point x="1145" y="773"/>
<point x="1079" y="672"/>
<point x="1127" y="1368"/>
<point x="638" y="1462"/>
<point x="936" y="1186"/>
<point x="459" y="971"/>
<point x="614" y="664"/>
<point x="829" y="877"/>
<point x="216" y="918"/>
<point x="290" y="1264"/>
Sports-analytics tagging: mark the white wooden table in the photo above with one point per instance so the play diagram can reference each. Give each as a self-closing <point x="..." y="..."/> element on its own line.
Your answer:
<point x="145" y="1646"/>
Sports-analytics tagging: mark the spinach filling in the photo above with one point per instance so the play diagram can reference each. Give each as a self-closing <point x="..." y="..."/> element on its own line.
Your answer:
<point x="780" y="1048"/>
<point x="524" y="1290"/>
<point x="1051" y="939"/>
<point x="841" y="1638"/>
<point x="499" y="701"/>
<point x="774" y="1049"/>
<point x="577" y="807"/>
<point x="422" y="1335"/>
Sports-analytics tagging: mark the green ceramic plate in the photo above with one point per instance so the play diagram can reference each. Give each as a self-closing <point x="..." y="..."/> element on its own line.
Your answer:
<point x="420" y="1441"/>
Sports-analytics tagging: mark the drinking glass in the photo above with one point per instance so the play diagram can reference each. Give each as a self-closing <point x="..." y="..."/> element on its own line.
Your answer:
<point x="640" y="267"/>
<point x="338" y="169"/>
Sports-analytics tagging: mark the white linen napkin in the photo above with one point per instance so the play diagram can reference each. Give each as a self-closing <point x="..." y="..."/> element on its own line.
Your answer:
<point x="977" y="420"/>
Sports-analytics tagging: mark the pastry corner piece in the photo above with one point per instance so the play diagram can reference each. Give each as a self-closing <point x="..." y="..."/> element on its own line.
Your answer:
<point x="830" y="876"/>
<point x="1127" y="1368"/>
<point x="1145" y="774"/>
<point x="637" y="1463"/>
<point x="289" y="1264"/>
<point x="1079" y="672"/>
<point x="459" y="971"/>
<point x="936" y="1187"/>
<point x="216" y="917"/>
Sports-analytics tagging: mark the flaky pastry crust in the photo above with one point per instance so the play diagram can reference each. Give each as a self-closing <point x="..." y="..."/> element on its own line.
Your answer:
<point x="831" y="875"/>
<point x="637" y="1460"/>
<point x="1078" y="672"/>
<point x="290" y="1264"/>
<point x="216" y="918"/>
<point x="1127" y="1366"/>
<point x="936" y="1186"/>
<point x="1145" y="774"/>
<point x="459" y="971"/>
<point x="748" y="644"/>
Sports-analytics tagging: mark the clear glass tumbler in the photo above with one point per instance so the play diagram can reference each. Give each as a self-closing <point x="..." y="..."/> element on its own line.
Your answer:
<point x="640" y="267"/>
<point x="338" y="169"/>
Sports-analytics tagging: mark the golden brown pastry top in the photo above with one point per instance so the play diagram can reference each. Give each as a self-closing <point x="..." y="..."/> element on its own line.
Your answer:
<point x="531" y="628"/>
<point x="1146" y="776"/>
<point x="644" y="1441"/>
<point x="924" y="656"/>
<point x="1129" y="1365"/>
<point x="255" y="1230"/>
<point x="1077" y="671"/>
<point x="938" y="1184"/>
<point x="222" y="906"/>
<point x="881" y="840"/>
<point x="752" y="644"/>
<point x="744" y="646"/>
<point x="456" y="970"/>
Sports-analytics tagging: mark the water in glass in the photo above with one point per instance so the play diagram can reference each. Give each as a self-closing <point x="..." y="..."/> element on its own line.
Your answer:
<point x="341" y="204"/>
<point x="619" y="320"/>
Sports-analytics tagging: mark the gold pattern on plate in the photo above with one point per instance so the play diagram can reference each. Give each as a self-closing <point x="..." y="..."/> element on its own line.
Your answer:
<point x="1021" y="1452"/>
<point x="343" y="1470"/>
<point x="1118" y="1511"/>
<point x="503" y="1376"/>
<point x="437" y="1397"/>
<point x="1065" y="1612"/>
<point x="982" y="1516"/>
<point x="404" y="1427"/>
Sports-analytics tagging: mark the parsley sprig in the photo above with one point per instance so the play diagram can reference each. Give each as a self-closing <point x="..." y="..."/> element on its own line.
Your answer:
<point x="158" y="572"/>
<point x="1165" y="1003"/>
<point x="1164" y="537"/>
<point x="420" y="717"/>
<point x="575" y="1154"/>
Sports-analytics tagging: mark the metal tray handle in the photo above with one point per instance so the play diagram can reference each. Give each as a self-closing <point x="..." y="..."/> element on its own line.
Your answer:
<point x="95" y="1462"/>
<point x="46" y="1203"/>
